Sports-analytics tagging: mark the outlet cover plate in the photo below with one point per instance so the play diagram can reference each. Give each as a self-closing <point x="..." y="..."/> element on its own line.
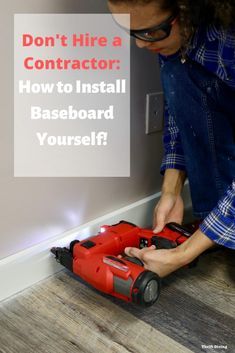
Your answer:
<point x="154" y="112"/>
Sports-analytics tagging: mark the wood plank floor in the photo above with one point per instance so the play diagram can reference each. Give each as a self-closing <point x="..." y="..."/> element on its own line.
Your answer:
<point x="62" y="315"/>
<point x="197" y="306"/>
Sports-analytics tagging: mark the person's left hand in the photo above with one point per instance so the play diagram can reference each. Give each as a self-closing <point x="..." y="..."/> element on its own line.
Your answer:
<point x="162" y="262"/>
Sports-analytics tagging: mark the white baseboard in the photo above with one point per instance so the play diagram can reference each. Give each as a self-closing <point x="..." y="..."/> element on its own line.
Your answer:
<point x="22" y="270"/>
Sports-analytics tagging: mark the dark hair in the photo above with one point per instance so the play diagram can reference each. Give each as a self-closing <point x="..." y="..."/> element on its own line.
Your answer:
<point x="193" y="13"/>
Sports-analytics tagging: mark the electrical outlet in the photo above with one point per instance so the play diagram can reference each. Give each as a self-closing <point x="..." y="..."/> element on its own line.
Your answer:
<point x="154" y="112"/>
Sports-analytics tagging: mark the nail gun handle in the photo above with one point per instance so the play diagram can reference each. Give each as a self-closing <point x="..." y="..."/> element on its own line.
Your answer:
<point x="178" y="228"/>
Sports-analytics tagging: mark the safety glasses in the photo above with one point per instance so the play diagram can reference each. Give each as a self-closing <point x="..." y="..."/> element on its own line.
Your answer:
<point x="156" y="33"/>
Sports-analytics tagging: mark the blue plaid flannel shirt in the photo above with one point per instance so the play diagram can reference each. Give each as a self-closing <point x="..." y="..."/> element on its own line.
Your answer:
<point x="215" y="50"/>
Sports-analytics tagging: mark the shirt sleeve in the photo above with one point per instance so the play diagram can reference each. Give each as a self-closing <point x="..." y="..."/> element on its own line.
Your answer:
<point x="173" y="151"/>
<point x="219" y="225"/>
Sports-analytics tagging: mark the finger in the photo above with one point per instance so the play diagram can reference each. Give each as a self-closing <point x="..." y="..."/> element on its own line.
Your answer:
<point x="161" y="221"/>
<point x="152" y="247"/>
<point x="155" y="218"/>
<point x="133" y="252"/>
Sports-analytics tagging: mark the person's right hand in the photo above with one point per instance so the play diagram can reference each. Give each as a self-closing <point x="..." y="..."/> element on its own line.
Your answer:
<point x="170" y="208"/>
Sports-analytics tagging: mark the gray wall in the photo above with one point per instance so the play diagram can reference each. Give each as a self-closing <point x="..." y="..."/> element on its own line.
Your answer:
<point x="34" y="209"/>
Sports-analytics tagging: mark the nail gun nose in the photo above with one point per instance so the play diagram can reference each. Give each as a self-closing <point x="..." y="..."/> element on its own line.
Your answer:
<point x="64" y="257"/>
<point x="53" y="251"/>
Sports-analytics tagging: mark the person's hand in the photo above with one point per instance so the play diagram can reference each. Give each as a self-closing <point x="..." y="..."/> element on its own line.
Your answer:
<point x="170" y="208"/>
<point x="165" y="261"/>
<point x="162" y="262"/>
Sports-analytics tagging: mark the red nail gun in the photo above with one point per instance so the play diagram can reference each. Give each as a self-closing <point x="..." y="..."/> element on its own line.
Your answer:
<point x="96" y="260"/>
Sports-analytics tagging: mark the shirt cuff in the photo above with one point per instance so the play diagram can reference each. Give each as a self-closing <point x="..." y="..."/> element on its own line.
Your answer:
<point x="219" y="225"/>
<point x="172" y="161"/>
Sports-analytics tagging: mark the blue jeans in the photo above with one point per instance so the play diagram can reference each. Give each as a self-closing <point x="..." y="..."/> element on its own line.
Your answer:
<point x="203" y="107"/>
